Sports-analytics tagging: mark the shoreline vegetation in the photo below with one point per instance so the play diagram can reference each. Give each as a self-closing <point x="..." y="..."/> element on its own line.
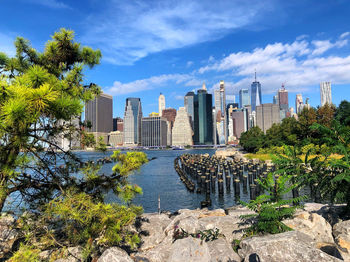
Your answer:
<point x="42" y="95"/>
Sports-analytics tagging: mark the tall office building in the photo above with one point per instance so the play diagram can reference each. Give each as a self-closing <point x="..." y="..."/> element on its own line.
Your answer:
<point x="182" y="131"/>
<point x="298" y="103"/>
<point x="283" y="102"/>
<point x="170" y="115"/>
<point x="275" y="100"/>
<point x="161" y="103"/>
<point x="244" y="98"/>
<point x="100" y="114"/>
<point x="154" y="131"/>
<point x="266" y="115"/>
<point x="326" y="93"/>
<point x="220" y="108"/>
<point x="132" y="121"/>
<point x="203" y="118"/>
<point x="189" y="106"/>
<point x="255" y="94"/>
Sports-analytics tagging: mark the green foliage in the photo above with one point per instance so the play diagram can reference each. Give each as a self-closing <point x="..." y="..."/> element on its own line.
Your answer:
<point x="342" y="113"/>
<point x="252" y="140"/>
<point x="26" y="253"/>
<point x="101" y="146"/>
<point x="271" y="209"/>
<point x="204" y="235"/>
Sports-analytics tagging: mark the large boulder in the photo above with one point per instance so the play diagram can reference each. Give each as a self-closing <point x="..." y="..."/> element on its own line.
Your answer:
<point x="341" y="232"/>
<point x="114" y="254"/>
<point x="313" y="225"/>
<point x="8" y="235"/>
<point x="229" y="226"/>
<point x="190" y="250"/>
<point x="154" y="228"/>
<point x="288" y="247"/>
<point x="222" y="251"/>
<point x="159" y="253"/>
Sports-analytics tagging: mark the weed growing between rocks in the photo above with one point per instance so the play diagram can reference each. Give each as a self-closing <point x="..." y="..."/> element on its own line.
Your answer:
<point x="205" y="235"/>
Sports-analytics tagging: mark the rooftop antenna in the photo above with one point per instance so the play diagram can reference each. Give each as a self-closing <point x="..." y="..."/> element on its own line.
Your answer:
<point x="255" y="74"/>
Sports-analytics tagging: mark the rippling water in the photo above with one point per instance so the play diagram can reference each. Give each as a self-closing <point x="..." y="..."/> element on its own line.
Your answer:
<point x="159" y="178"/>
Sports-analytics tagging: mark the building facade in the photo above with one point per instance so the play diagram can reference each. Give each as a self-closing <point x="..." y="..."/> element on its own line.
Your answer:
<point x="203" y="118"/>
<point x="283" y="102"/>
<point x="118" y="124"/>
<point x="189" y="106"/>
<point x="299" y="105"/>
<point x="255" y="94"/>
<point x="326" y="93"/>
<point x="161" y="104"/>
<point x="244" y="98"/>
<point x="170" y="115"/>
<point x="99" y="112"/>
<point x="182" y="131"/>
<point x="132" y="121"/>
<point x="154" y="131"/>
<point x="116" y="138"/>
<point x="266" y="115"/>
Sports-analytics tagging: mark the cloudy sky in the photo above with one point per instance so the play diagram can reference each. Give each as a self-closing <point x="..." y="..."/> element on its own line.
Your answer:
<point x="153" y="46"/>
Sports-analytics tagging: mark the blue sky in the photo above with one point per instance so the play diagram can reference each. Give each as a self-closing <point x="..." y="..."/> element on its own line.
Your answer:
<point x="172" y="47"/>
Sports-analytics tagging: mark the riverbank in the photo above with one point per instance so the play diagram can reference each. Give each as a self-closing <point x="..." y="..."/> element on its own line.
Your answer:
<point x="319" y="235"/>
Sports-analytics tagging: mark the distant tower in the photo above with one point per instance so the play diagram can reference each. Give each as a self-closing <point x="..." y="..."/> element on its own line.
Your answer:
<point x="189" y="106"/>
<point x="298" y="103"/>
<point x="161" y="103"/>
<point x="326" y="93"/>
<point x="283" y="101"/>
<point x="243" y="98"/>
<point x="255" y="94"/>
<point x="132" y="121"/>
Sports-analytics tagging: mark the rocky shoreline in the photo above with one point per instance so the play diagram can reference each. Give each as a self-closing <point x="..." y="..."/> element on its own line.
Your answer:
<point x="319" y="235"/>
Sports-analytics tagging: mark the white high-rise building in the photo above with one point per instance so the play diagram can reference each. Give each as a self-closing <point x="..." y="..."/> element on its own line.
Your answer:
<point x="326" y="93"/>
<point x="299" y="105"/>
<point x="182" y="130"/>
<point x="161" y="104"/>
<point x="132" y="121"/>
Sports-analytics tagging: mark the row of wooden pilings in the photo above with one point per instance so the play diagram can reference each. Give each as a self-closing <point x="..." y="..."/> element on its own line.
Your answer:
<point x="205" y="174"/>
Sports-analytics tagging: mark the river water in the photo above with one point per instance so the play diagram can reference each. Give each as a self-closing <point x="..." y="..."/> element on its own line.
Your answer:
<point x="159" y="178"/>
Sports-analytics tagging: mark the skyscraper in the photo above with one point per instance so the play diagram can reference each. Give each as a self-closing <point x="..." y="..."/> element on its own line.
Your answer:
<point x="118" y="124"/>
<point x="203" y="118"/>
<point x="255" y="94"/>
<point x="169" y="114"/>
<point x="132" y="121"/>
<point x="161" y="103"/>
<point x="298" y="103"/>
<point x="182" y="131"/>
<point x="220" y="108"/>
<point x="99" y="112"/>
<point x="266" y="115"/>
<point x="244" y="98"/>
<point x="326" y="93"/>
<point x="283" y="101"/>
<point x="154" y="131"/>
<point x="189" y="106"/>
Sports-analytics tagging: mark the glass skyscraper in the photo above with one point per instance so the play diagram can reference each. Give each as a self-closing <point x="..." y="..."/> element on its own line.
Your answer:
<point x="189" y="105"/>
<point x="255" y="94"/>
<point x="132" y="121"/>
<point x="244" y="98"/>
<point x="203" y="118"/>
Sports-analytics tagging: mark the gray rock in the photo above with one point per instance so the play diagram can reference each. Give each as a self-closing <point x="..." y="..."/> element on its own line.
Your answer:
<point x="237" y="211"/>
<point x="160" y="253"/>
<point x="114" y="254"/>
<point x="190" y="250"/>
<point x="229" y="226"/>
<point x="72" y="254"/>
<point x="341" y="232"/>
<point x="287" y="247"/>
<point x="222" y="251"/>
<point x="155" y="228"/>
<point x="8" y="235"/>
<point x="313" y="225"/>
<point x="329" y="212"/>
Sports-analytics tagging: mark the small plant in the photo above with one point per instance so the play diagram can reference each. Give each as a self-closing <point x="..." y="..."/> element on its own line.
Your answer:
<point x="206" y="235"/>
<point x="270" y="208"/>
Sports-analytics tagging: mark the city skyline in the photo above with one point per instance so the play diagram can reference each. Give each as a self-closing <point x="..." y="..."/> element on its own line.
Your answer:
<point x="167" y="49"/>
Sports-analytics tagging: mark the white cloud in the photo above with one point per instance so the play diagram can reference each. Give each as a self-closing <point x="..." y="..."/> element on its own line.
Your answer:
<point x="55" y="4"/>
<point x="322" y="46"/>
<point x="298" y="64"/>
<point x="189" y="64"/>
<point x="129" y="31"/>
<point x="119" y="88"/>
<point x="179" y="97"/>
<point x="343" y="35"/>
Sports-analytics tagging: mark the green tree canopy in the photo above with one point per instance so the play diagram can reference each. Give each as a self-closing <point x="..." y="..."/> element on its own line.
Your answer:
<point x="252" y="140"/>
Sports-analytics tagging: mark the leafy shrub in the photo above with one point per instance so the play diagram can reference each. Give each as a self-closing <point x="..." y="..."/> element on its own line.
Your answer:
<point x="206" y="235"/>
